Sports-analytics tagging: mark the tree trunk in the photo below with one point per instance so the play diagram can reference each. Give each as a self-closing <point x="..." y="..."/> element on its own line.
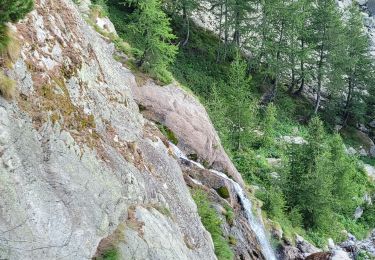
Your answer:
<point x="293" y="81"/>
<point x="278" y="56"/>
<point x="302" y="66"/>
<point x="320" y="74"/>
<point x="226" y="30"/>
<point x="237" y="34"/>
<point x="348" y="101"/>
<point x="187" y="26"/>
<point x="220" y="32"/>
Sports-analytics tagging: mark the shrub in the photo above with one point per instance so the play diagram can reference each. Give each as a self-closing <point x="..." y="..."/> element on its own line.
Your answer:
<point x="274" y="203"/>
<point x="223" y="192"/>
<point x="109" y="254"/>
<point x="7" y="87"/>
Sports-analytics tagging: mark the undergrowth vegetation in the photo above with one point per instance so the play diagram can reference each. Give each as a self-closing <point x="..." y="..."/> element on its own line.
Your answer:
<point x="7" y="86"/>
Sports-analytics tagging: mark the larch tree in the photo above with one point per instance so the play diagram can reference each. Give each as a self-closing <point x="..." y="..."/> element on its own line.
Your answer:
<point x="358" y="66"/>
<point x="239" y="103"/>
<point x="153" y="26"/>
<point x="326" y="26"/>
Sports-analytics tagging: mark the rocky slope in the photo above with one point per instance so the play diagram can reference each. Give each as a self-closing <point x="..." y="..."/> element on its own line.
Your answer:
<point x="82" y="171"/>
<point x="79" y="164"/>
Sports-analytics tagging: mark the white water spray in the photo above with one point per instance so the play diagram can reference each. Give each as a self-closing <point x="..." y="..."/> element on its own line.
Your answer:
<point x="254" y="223"/>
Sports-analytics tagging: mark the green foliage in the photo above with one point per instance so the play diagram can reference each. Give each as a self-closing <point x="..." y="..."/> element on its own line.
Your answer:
<point x="196" y="66"/>
<point x="99" y="7"/>
<point x="184" y="7"/>
<point x="324" y="184"/>
<point x="110" y="254"/>
<point x="152" y="25"/>
<point x="368" y="217"/>
<point x="12" y="11"/>
<point x="308" y="166"/>
<point x="239" y="108"/>
<point x="319" y="185"/>
<point x="212" y="223"/>
<point x="4" y="38"/>
<point x="253" y="167"/>
<point x="274" y="202"/>
<point x="268" y="125"/>
<point x="223" y="192"/>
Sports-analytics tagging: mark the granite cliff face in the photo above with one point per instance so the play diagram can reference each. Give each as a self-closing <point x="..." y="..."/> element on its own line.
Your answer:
<point x="82" y="171"/>
<point x="78" y="163"/>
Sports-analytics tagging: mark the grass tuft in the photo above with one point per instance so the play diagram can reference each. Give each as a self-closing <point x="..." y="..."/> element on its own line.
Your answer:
<point x="7" y="87"/>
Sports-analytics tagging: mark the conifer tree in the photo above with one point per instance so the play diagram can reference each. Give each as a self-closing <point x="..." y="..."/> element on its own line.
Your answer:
<point x="239" y="103"/>
<point x="327" y="27"/>
<point x="234" y="16"/>
<point x="358" y="65"/>
<point x="153" y="27"/>
<point x="309" y="184"/>
<point x="299" y="47"/>
<point x="240" y="18"/>
<point x="268" y="124"/>
<point x="347" y="191"/>
<point x="272" y="31"/>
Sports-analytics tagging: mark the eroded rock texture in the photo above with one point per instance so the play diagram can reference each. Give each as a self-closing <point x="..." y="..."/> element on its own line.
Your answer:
<point x="79" y="166"/>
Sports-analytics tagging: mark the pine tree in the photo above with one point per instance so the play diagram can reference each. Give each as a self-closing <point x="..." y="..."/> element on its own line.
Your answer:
<point x="300" y="47"/>
<point x="309" y="185"/>
<point x="348" y="190"/>
<point x="234" y="16"/>
<point x="273" y="49"/>
<point x="153" y="26"/>
<point x="239" y="103"/>
<point x="358" y="65"/>
<point x="240" y="18"/>
<point x="268" y="125"/>
<point x="327" y="27"/>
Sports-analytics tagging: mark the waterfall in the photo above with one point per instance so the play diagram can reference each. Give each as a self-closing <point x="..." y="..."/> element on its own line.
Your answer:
<point x="254" y="223"/>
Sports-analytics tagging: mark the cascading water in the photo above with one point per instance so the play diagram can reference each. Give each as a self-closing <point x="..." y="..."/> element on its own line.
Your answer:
<point x="254" y="223"/>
